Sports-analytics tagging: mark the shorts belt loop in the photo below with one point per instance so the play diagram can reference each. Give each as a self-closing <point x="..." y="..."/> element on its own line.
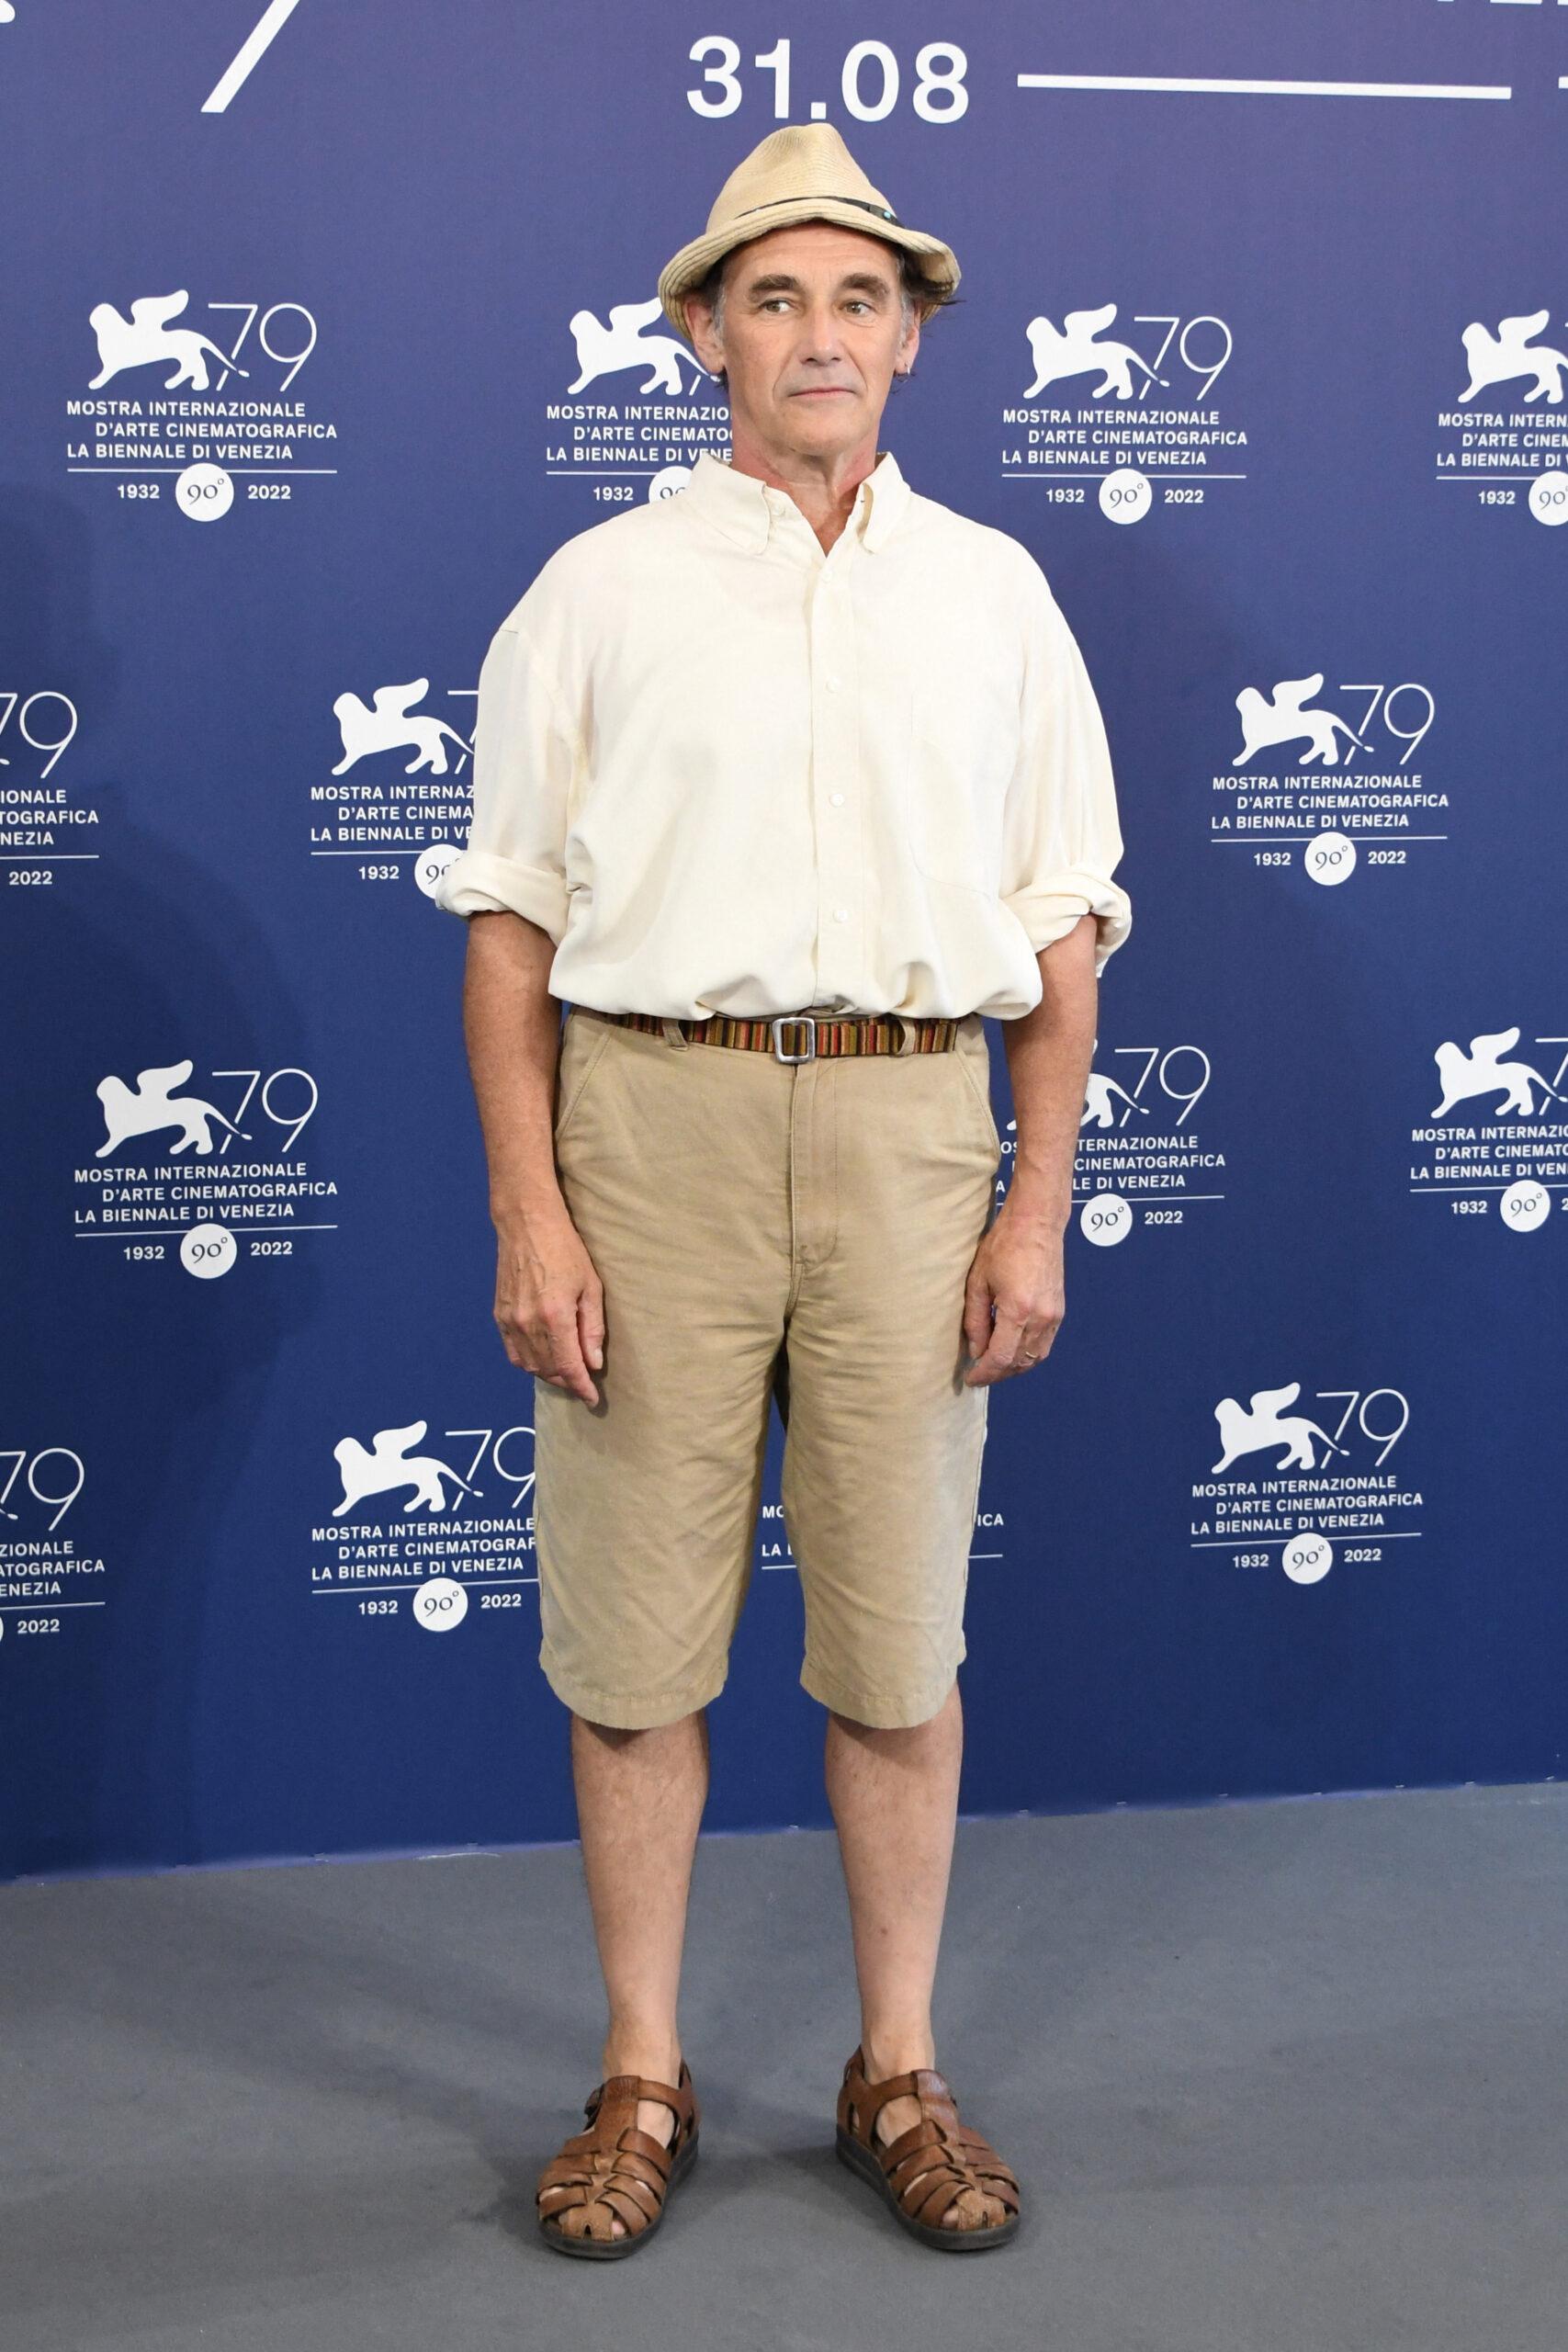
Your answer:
<point x="906" y="1033"/>
<point x="674" y="1034"/>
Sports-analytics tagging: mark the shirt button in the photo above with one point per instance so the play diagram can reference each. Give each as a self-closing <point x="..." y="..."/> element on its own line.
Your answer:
<point x="833" y="684"/>
<point x="837" y="799"/>
<point x="841" y="915"/>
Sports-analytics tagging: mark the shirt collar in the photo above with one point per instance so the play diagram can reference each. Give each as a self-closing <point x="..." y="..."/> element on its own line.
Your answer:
<point x="744" y="508"/>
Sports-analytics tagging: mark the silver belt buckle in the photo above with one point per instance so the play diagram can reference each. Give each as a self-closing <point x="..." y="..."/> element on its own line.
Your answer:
<point x="796" y="1021"/>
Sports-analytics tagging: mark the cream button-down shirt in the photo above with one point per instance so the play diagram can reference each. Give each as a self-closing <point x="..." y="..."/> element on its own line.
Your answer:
<point x="728" y="772"/>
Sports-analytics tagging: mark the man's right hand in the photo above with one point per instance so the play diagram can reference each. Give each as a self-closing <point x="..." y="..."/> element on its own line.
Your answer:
<point x="549" y="1302"/>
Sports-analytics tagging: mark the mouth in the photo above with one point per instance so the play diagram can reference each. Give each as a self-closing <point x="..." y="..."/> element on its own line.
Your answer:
<point x="823" y="392"/>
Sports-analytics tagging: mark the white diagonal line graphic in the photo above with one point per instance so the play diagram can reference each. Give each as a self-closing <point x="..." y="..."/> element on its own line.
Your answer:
<point x="265" y="32"/>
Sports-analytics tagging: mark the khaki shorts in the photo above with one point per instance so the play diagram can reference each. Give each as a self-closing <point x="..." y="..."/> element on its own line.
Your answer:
<point x="765" y="1228"/>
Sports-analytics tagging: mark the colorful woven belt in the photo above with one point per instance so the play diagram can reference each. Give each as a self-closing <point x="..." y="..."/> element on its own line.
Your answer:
<point x="801" y="1036"/>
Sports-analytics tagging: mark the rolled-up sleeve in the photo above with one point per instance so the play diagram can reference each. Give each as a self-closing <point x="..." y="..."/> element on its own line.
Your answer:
<point x="1061" y="837"/>
<point x="524" y="759"/>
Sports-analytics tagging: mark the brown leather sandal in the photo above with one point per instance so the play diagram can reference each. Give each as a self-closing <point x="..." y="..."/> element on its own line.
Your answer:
<point x="614" y="2168"/>
<point x="920" y="2172"/>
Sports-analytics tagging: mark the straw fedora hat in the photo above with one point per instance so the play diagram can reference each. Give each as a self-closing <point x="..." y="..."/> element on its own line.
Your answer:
<point x="804" y="172"/>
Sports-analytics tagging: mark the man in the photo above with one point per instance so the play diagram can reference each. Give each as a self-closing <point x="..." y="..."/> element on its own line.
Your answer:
<point x="784" y="784"/>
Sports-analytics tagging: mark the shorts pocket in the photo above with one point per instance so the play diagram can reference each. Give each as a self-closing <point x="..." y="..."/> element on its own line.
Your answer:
<point x="584" y="1048"/>
<point x="979" y="1092"/>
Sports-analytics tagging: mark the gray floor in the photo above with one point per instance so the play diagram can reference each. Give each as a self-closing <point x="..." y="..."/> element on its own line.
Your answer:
<point x="1288" y="2074"/>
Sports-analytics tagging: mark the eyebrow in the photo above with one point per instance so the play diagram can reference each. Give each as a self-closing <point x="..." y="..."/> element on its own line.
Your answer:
<point x="778" y="281"/>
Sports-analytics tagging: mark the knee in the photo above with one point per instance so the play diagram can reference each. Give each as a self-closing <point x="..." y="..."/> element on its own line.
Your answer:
<point x="892" y="1719"/>
<point x="622" y="1734"/>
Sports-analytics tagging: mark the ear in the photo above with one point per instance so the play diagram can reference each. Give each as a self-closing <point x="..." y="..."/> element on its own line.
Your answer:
<point x="909" y="344"/>
<point x="709" y="347"/>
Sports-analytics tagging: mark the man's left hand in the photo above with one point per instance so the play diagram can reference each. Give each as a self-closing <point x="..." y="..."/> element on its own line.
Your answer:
<point x="1017" y="1274"/>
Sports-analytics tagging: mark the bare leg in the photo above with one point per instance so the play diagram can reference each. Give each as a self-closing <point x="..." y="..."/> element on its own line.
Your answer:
<point x="640" y="1804"/>
<point x="894" y="1800"/>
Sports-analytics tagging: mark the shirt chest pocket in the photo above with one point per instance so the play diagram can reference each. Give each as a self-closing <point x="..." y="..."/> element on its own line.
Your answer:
<point x="962" y="750"/>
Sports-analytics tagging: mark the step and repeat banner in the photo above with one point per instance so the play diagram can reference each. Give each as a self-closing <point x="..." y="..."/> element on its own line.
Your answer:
<point x="321" y="328"/>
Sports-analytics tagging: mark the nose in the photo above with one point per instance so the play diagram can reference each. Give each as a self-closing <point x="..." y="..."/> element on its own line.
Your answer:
<point x="821" y="333"/>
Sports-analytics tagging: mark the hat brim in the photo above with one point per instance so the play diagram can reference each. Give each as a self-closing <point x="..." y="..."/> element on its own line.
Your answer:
<point x="687" y="269"/>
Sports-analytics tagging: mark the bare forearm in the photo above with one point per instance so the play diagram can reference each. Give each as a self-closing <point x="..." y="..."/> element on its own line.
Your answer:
<point x="511" y="1028"/>
<point x="1049" y="1052"/>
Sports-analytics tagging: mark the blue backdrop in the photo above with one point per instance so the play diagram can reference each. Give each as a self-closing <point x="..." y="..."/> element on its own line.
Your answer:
<point x="307" y="363"/>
